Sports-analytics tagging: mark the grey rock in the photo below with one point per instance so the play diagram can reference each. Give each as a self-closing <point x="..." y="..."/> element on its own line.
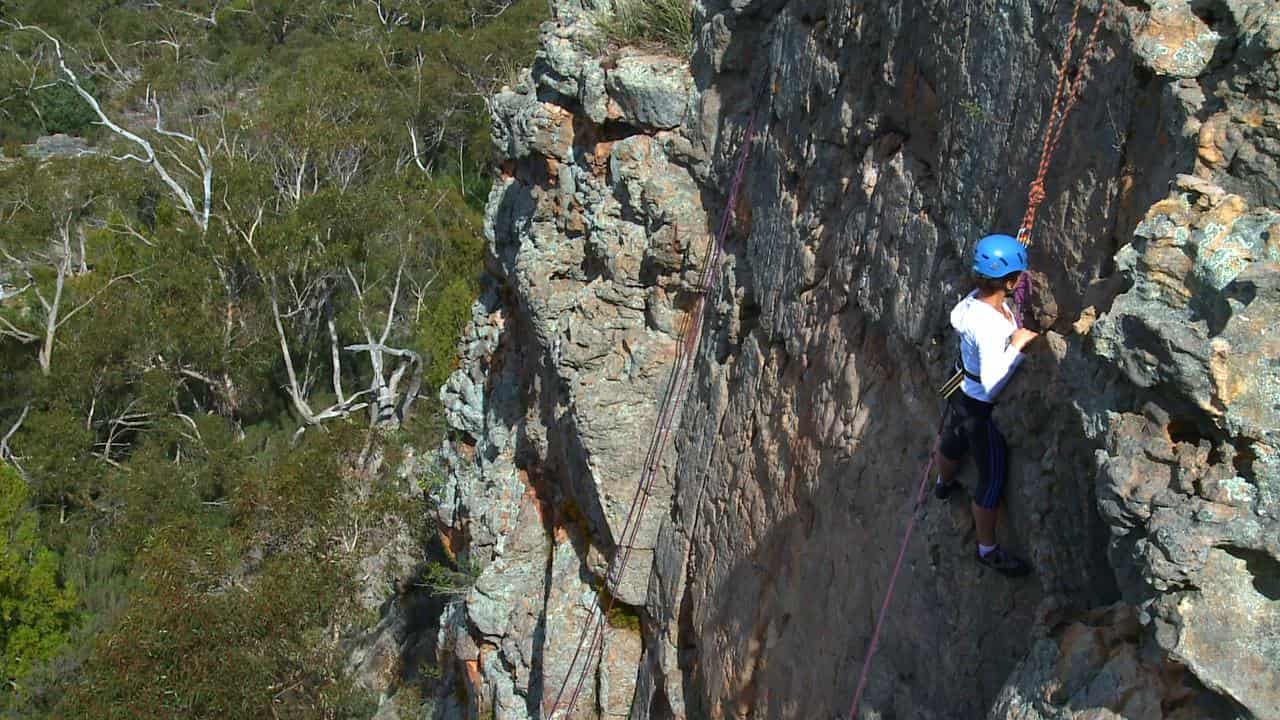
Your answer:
<point x="523" y="126"/>
<point x="1175" y="41"/>
<point x="1196" y="325"/>
<point x="58" y="146"/>
<point x="559" y="62"/>
<point x="650" y="91"/>
<point x="1145" y="471"/>
<point x="1095" y="667"/>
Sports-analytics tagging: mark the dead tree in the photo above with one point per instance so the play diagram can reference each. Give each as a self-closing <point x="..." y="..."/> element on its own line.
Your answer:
<point x="298" y="391"/>
<point x="119" y="429"/>
<point x="395" y="373"/>
<point x="51" y="305"/>
<point x="6" y="451"/>
<point x="54" y="318"/>
<point x="197" y="203"/>
<point x="391" y="366"/>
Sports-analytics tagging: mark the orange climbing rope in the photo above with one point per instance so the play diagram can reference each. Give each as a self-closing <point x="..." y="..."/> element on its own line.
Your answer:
<point x="1064" y="99"/>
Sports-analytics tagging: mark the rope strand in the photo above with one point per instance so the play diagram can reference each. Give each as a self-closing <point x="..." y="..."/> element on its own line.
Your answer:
<point x="1064" y="100"/>
<point x="687" y="341"/>
<point x="893" y="578"/>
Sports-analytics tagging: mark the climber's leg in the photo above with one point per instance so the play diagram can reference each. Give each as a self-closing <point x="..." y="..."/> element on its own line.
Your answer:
<point x="984" y="524"/>
<point x="990" y="455"/>
<point x="953" y="443"/>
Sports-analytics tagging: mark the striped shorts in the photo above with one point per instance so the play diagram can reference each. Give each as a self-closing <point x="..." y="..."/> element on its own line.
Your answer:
<point x="968" y="427"/>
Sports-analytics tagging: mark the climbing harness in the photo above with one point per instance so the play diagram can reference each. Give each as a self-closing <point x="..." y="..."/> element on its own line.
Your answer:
<point x="956" y="380"/>
<point x="1064" y="101"/>
<point x="688" y="339"/>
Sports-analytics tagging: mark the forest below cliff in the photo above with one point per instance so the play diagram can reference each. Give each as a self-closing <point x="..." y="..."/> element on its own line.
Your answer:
<point x="238" y="239"/>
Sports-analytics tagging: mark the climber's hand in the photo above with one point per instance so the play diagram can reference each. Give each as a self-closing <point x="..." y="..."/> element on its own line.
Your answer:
<point x="1021" y="337"/>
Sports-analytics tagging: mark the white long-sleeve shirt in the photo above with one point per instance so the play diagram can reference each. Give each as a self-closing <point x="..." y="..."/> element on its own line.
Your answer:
<point x="984" y="346"/>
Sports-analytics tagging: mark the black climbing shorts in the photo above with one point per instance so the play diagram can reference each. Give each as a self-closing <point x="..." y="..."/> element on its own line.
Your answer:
<point x="968" y="427"/>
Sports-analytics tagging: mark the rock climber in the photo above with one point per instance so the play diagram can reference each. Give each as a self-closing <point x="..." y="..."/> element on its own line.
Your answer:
<point x="991" y="345"/>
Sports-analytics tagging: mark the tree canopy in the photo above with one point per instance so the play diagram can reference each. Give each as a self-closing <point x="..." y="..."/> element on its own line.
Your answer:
<point x="220" y="310"/>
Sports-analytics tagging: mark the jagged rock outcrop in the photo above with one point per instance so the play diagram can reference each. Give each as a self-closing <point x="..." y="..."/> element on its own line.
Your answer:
<point x="1145" y="480"/>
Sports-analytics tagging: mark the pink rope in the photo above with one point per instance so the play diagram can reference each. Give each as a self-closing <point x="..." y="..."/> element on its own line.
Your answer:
<point x="893" y="580"/>
<point x="1021" y="291"/>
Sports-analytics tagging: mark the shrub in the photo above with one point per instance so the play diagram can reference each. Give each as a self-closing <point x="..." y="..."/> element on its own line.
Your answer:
<point x="36" y="611"/>
<point x="185" y="649"/>
<point x="624" y="617"/>
<point x="667" y="24"/>
<point x="441" y="327"/>
<point x="446" y="581"/>
<point x="63" y="110"/>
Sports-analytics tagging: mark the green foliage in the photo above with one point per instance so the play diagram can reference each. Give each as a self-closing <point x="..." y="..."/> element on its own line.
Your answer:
<point x="440" y="328"/>
<point x="666" y="24"/>
<point x="53" y="108"/>
<point x="624" y="617"/>
<point x="57" y="456"/>
<point x="36" y="610"/>
<point x="442" y="579"/>
<point x="64" y="111"/>
<point x="974" y="111"/>
<point x="188" y="648"/>
<point x="233" y="595"/>
<point x="203" y="538"/>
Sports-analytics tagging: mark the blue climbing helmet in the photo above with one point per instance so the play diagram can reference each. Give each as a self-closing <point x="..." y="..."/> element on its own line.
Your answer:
<point x="999" y="255"/>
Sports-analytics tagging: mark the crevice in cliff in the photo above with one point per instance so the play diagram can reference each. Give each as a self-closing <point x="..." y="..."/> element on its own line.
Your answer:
<point x="1218" y="18"/>
<point x="553" y="522"/>
<point x="592" y="141"/>
<point x="687" y="651"/>
<point x="743" y="324"/>
<point x="1244" y="459"/>
<point x="1184" y="431"/>
<point x="660" y="706"/>
<point x="1264" y="570"/>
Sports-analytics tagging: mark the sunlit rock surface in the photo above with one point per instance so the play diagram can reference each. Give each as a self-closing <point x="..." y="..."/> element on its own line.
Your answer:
<point x="1145" y="475"/>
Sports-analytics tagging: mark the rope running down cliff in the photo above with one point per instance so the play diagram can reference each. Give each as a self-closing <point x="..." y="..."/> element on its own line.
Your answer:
<point x="688" y="340"/>
<point x="1064" y="100"/>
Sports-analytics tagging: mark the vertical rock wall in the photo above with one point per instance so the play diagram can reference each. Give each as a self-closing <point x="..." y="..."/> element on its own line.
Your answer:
<point x="1145" y="479"/>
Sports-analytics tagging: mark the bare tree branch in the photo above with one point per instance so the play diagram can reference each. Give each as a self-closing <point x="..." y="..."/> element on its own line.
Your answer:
<point x="211" y="19"/>
<point x="6" y="452"/>
<point x="148" y="154"/>
<point x="390" y="406"/>
<point x="297" y="392"/>
<point x="127" y="421"/>
<point x="9" y="330"/>
<point x="417" y="156"/>
<point x="54" y="318"/>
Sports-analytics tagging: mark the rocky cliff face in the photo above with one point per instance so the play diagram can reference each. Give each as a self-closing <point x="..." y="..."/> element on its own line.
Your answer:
<point x="1145" y="476"/>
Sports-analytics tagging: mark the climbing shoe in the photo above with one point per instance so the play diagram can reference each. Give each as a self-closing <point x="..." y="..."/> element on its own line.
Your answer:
<point x="1003" y="563"/>
<point x="942" y="490"/>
